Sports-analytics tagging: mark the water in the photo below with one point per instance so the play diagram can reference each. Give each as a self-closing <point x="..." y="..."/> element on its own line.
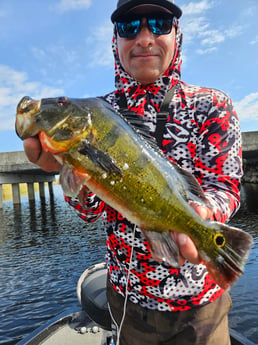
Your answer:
<point x="244" y="314"/>
<point x="44" y="248"/>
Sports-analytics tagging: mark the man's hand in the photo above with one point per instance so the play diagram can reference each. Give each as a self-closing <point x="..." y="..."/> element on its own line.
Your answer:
<point x="186" y="246"/>
<point x="36" y="155"/>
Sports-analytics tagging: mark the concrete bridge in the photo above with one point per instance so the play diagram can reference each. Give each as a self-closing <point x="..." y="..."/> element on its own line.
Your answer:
<point x="15" y="169"/>
<point x="250" y="156"/>
<point x="250" y="144"/>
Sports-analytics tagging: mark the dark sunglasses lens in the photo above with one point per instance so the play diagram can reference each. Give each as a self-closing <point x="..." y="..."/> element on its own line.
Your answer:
<point x="128" y="29"/>
<point x="160" y="26"/>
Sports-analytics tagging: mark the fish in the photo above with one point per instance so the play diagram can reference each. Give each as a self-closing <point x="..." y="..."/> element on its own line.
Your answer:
<point x="113" y="156"/>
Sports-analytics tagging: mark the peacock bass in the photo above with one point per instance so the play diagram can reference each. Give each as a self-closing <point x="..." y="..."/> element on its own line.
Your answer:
<point x="102" y="150"/>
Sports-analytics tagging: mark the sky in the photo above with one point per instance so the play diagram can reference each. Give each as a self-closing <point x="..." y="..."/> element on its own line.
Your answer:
<point x="52" y="48"/>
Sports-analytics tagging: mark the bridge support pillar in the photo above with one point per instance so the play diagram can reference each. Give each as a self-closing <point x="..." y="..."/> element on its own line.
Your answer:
<point x="16" y="193"/>
<point x="29" y="179"/>
<point x="1" y="196"/>
<point x="50" y="188"/>
<point x="30" y="187"/>
<point x="42" y="190"/>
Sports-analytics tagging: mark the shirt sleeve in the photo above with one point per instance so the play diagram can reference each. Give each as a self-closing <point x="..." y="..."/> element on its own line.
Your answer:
<point x="91" y="211"/>
<point x="218" y="161"/>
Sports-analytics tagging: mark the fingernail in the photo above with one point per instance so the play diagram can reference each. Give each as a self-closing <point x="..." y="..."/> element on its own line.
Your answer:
<point x="182" y="238"/>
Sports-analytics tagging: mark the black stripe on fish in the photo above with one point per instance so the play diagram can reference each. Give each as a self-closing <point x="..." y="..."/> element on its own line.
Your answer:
<point x="99" y="158"/>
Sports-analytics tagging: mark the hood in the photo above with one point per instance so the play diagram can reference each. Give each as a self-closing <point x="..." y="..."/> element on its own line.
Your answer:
<point x="147" y="100"/>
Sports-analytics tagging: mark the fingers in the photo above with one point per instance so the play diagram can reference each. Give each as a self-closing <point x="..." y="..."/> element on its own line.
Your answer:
<point x="203" y="211"/>
<point x="32" y="149"/>
<point x="36" y="155"/>
<point x="187" y="249"/>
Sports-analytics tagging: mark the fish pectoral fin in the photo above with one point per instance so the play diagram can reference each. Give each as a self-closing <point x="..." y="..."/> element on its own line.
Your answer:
<point x="99" y="158"/>
<point x="163" y="247"/>
<point x="71" y="181"/>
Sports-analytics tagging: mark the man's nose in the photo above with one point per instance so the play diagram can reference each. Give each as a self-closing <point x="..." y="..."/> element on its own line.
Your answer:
<point x="145" y="37"/>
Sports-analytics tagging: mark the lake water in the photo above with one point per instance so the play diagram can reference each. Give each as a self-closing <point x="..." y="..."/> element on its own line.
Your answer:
<point x="44" y="247"/>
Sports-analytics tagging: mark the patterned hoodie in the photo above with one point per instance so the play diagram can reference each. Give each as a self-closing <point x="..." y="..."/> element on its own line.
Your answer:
<point x="202" y="135"/>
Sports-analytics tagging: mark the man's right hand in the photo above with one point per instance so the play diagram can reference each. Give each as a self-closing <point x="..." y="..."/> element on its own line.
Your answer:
<point x="36" y="155"/>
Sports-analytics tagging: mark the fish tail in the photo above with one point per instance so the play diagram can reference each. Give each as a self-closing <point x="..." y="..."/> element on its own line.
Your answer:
<point x="230" y="250"/>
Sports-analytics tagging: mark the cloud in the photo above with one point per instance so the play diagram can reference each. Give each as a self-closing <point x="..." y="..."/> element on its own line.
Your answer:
<point x="198" y="31"/>
<point x="250" y="9"/>
<point x="72" y="5"/>
<point x="15" y="85"/>
<point x="100" y="46"/>
<point x="254" y="41"/>
<point x="57" y="59"/>
<point x="206" y="50"/>
<point x="194" y="8"/>
<point x="61" y="60"/>
<point x="247" y="108"/>
<point x="212" y="38"/>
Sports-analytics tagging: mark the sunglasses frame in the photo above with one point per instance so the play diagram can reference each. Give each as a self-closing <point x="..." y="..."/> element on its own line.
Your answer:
<point x="170" y="19"/>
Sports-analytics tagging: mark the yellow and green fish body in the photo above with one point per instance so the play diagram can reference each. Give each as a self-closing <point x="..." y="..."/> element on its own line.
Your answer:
<point x="98" y="148"/>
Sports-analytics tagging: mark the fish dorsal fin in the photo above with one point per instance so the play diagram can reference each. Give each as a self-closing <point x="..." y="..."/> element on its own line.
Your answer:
<point x="136" y="122"/>
<point x="193" y="186"/>
<point x="139" y="126"/>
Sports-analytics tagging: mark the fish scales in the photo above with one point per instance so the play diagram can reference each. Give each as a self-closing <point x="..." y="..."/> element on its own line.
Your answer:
<point x="98" y="148"/>
<point x="144" y="178"/>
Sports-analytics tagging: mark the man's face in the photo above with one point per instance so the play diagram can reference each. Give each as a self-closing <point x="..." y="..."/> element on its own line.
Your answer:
<point x="146" y="56"/>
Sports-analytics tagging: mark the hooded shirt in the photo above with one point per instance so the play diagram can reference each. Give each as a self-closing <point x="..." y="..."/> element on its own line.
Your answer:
<point x="202" y="135"/>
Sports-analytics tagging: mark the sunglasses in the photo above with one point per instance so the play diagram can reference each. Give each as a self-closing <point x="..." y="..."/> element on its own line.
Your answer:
<point x="160" y="25"/>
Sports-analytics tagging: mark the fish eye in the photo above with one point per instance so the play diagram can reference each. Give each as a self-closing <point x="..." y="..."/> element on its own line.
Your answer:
<point x="219" y="240"/>
<point x="61" y="101"/>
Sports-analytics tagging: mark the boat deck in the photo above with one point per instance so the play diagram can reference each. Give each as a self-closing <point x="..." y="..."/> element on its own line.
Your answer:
<point x="70" y="334"/>
<point x="71" y="327"/>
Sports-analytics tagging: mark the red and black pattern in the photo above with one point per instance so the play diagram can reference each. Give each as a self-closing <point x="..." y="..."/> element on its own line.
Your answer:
<point x="202" y="135"/>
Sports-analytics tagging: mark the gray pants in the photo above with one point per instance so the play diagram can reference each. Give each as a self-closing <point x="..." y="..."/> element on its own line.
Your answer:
<point x="207" y="325"/>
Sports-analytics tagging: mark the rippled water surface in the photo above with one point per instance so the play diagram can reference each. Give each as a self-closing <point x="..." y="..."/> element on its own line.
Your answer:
<point x="44" y="248"/>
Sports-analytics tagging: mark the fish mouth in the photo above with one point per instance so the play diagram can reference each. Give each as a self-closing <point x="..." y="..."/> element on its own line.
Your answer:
<point x="25" y="124"/>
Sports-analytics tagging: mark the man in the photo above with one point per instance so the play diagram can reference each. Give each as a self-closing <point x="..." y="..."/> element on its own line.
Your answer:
<point x="150" y="301"/>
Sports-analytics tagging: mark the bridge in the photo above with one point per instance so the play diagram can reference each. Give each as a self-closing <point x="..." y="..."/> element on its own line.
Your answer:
<point x="15" y="169"/>
<point x="250" y="145"/>
<point x="250" y="156"/>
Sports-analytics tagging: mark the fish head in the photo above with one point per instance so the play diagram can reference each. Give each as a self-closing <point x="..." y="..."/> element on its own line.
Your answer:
<point x="226" y="257"/>
<point x="59" y="121"/>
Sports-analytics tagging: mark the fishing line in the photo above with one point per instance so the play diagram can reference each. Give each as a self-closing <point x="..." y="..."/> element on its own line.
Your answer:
<point x="119" y="327"/>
